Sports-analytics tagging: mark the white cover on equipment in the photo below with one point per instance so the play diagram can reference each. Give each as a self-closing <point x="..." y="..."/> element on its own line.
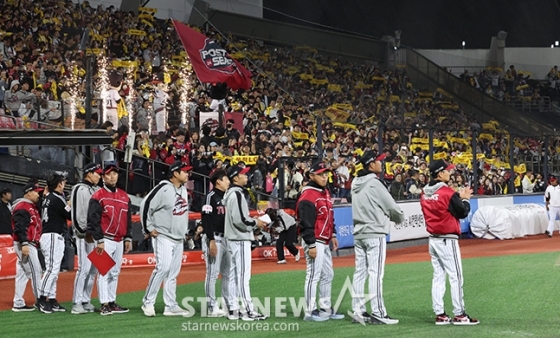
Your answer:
<point x="507" y="222"/>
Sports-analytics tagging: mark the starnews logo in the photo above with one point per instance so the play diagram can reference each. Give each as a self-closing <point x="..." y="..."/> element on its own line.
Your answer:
<point x="239" y="326"/>
<point x="284" y="307"/>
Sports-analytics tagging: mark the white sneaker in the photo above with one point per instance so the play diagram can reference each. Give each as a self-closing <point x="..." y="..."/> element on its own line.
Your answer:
<point x="298" y="257"/>
<point x="149" y="310"/>
<point x="281" y="262"/>
<point x="89" y="307"/>
<point x="78" y="309"/>
<point x="216" y="313"/>
<point x="176" y="311"/>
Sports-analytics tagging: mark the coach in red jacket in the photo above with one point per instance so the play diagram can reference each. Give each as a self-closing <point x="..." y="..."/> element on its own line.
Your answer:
<point x="442" y="208"/>
<point x="109" y="222"/>
<point x="315" y="213"/>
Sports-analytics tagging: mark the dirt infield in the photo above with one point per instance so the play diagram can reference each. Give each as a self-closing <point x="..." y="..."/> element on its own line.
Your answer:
<point x="136" y="279"/>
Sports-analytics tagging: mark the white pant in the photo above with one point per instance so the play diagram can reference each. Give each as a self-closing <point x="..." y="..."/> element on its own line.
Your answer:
<point x="107" y="285"/>
<point x="370" y="261"/>
<point x="52" y="246"/>
<point x="169" y="255"/>
<point x="446" y="259"/>
<point x="214" y="266"/>
<point x="85" y="275"/>
<point x="113" y="116"/>
<point x="240" y="270"/>
<point x="320" y="268"/>
<point x="31" y="269"/>
<point x="552" y="213"/>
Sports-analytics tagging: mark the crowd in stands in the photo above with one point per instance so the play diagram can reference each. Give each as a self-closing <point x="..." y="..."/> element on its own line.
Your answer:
<point x="40" y="63"/>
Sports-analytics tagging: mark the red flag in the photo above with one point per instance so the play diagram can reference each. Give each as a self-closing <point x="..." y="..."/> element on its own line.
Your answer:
<point x="212" y="63"/>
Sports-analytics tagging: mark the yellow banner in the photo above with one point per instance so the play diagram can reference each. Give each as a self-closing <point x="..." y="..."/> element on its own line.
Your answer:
<point x="146" y="16"/>
<point x="520" y="169"/>
<point x="300" y="136"/>
<point x="125" y="64"/>
<point x="489" y="126"/>
<point x="147" y="9"/>
<point x="419" y="145"/>
<point x="94" y="51"/>
<point x="337" y="114"/>
<point x="249" y="160"/>
<point x="420" y="140"/>
<point x="440" y="156"/>
<point x="136" y="32"/>
<point x="345" y="125"/>
<point x="343" y="106"/>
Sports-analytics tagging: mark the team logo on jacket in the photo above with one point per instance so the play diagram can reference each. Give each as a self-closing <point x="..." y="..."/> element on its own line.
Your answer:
<point x="181" y="206"/>
<point x="216" y="58"/>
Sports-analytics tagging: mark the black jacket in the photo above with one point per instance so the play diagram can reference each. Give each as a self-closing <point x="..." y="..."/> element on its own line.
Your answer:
<point x="213" y="213"/>
<point x="56" y="213"/>
<point x="5" y="219"/>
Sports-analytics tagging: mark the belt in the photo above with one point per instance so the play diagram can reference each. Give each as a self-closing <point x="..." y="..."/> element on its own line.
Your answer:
<point x="218" y="234"/>
<point x="449" y="236"/>
<point x="34" y="244"/>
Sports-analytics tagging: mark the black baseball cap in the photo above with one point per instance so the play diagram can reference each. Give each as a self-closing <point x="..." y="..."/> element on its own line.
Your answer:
<point x="236" y="170"/>
<point x="32" y="187"/>
<point x="178" y="165"/>
<point x="93" y="167"/>
<point x="370" y="156"/>
<point x="110" y="167"/>
<point x="439" y="165"/>
<point x="318" y="167"/>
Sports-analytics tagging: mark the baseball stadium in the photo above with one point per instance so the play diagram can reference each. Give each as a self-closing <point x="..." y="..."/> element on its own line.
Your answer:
<point x="263" y="168"/>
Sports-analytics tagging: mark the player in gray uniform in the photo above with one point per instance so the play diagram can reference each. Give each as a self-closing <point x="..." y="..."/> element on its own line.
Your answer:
<point x="85" y="275"/>
<point x="373" y="208"/>
<point x="239" y="234"/>
<point x="164" y="214"/>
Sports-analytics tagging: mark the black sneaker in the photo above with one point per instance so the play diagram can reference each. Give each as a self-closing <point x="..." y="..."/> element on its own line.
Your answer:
<point x="364" y="318"/>
<point x="24" y="308"/>
<point x="55" y="306"/>
<point x="44" y="306"/>
<point x="115" y="308"/>
<point x="106" y="310"/>
<point x="253" y="316"/>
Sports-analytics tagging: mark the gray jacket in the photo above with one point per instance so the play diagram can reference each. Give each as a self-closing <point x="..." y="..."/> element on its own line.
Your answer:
<point x="238" y="225"/>
<point x="80" y="196"/>
<point x="166" y="209"/>
<point x="285" y="221"/>
<point x="372" y="207"/>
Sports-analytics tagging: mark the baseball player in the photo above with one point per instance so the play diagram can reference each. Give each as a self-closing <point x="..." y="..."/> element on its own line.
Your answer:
<point x="214" y="244"/>
<point x="373" y="208"/>
<point x="442" y="208"/>
<point x="285" y="226"/>
<point x="28" y="228"/>
<point x="164" y="215"/>
<point x="315" y="213"/>
<point x="56" y="213"/>
<point x="238" y="231"/>
<point x="85" y="275"/>
<point x="109" y="222"/>
<point x="552" y="198"/>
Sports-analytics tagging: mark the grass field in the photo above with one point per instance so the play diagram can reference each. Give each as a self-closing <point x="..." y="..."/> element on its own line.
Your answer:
<point x="512" y="296"/>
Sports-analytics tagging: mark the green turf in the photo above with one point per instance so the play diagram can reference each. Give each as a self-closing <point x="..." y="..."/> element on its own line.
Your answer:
<point x="513" y="296"/>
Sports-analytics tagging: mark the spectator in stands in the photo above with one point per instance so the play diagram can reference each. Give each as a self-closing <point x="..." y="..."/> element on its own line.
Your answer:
<point x="397" y="188"/>
<point x="5" y="211"/>
<point x="413" y="189"/>
<point x="528" y="182"/>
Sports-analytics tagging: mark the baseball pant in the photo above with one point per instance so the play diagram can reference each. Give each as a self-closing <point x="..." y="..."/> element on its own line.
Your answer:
<point x="85" y="275"/>
<point x="240" y="270"/>
<point x="286" y="238"/>
<point x="215" y="265"/>
<point x="370" y="256"/>
<point x="446" y="259"/>
<point x="29" y="268"/>
<point x="169" y="254"/>
<point x="552" y="213"/>
<point x="52" y="246"/>
<point x="107" y="285"/>
<point x="318" y="269"/>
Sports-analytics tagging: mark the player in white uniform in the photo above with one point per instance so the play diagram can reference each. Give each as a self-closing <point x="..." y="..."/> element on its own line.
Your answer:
<point x="85" y="275"/>
<point x="164" y="214"/>
<point x="373" y="209"/>
<point x="112" y="99"/>
<point x="552" y="198"/>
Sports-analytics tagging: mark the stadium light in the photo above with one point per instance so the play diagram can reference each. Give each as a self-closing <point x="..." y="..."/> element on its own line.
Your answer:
<point x="556" y="43"/>
<point x="463" y="44"/>
<point x="552" y="46"/>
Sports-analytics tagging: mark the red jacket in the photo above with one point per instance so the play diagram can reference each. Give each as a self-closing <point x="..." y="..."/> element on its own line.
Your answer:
<point x="314" y="210"/>
<point x="109" y="215"/>
<point x="26" y="222"/>
<point x="439" y="220"/>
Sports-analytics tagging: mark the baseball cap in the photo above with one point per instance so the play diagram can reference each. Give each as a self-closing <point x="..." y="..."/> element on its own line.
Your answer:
<point x="439" y="165"/>
<point x="551" y="178"/>
<point x="318" y="168"/>
<point x="110" y="167"/>
<point x="236" y="170"/>
<point x="93" y="167"/>
<point x="31" y="187"/>
<point x="213" y="144"/>
<point x="370" y="156"/>
<point x="178" y="165"/>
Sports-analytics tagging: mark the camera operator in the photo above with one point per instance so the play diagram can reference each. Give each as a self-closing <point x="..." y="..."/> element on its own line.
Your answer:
<point x="283" y="226"/>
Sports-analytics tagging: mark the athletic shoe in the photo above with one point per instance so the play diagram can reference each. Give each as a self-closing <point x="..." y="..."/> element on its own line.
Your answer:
<point x="216" y="313"/>
<point x="106" y="310"/>
<point x="176" y="311"/>
<point x="234" y="315"/>
<point x="386" y="320"/>
<point x="443" y="319"/>
<point x="464" y="319"/>
<point x="89" y="307"/>
<point x="149" y="310"/>
<point x="78" y="309"/>
<point x="44" y="306"/>
<point x="115" y="308"/>
<point x="548" y="233"/>
<point x="56" y="307"/>
<point x="24" y="308"/>
<point x="364" y="318"/>
<point x="298" y="257"/>
<point x="315" y="317"/>
<point x="253" y="316"/>
<point x="331" y="314"/>
<point x="281" y="262"/>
